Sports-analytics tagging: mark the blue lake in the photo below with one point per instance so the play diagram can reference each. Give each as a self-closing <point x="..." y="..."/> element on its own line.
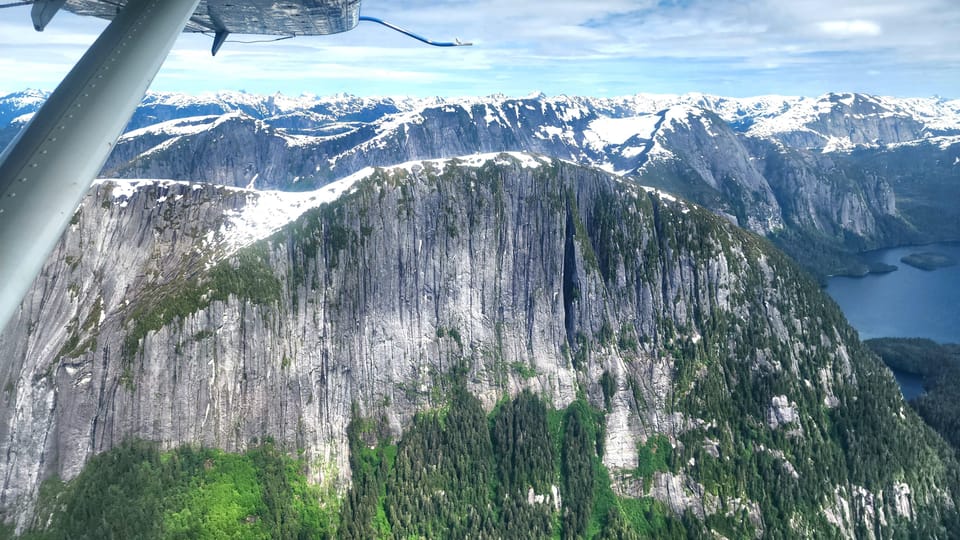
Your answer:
<point x="910" y="385"/>
<point x="906" y="303"/>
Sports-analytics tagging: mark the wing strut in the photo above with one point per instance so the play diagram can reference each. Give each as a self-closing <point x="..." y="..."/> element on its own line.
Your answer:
<point x="47" y="170"/>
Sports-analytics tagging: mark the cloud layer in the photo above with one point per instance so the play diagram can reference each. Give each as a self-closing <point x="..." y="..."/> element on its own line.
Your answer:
<point x="603" y="47"/>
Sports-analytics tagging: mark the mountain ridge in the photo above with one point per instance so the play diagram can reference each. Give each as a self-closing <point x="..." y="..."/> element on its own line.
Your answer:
<point x="515" y="271"/>
<point x="825" y="178"/>
<point x="942" y="115"/>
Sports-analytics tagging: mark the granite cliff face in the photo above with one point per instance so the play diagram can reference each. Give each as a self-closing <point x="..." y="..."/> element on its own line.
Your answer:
<point x="161" y="316"/>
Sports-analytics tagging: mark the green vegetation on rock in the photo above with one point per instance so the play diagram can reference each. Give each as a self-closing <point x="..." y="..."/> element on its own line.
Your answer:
<point x="137" y="491"/>
<point x="939" y="365"/>
<point x="246" y="275"/>
<point x="770" y="411"/>
<point x="461" y="473"/>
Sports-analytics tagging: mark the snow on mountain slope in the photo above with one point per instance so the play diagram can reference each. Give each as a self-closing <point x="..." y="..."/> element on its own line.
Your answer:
<point x="262" y="214"/>
<point x="844" y="121"/>
<point x="269" y="105"/>
<point x="606" y="130"/>
<point x="16" y="110"/>
<point x="524" y="159"/>
<point x="175" y="127"/>
<point x="267" y="211"/>
<point x="815" y="121"/>
<point x="18" y="103"/>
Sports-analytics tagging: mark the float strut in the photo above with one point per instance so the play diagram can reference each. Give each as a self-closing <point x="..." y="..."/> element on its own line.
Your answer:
<point x="48" y="168"/>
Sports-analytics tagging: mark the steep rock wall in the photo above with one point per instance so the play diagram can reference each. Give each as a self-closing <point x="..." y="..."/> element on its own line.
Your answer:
<point x="515" y="273"/>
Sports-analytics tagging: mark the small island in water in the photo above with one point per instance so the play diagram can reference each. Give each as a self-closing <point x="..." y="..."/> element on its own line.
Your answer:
<point x="881" y="268"/>
<point x="928" y="260"/>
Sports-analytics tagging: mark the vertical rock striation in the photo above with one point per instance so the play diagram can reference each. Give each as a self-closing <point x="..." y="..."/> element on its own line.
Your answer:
<point x="514" y="272"/>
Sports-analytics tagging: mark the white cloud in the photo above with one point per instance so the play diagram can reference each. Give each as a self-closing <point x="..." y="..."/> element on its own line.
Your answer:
<point x="559" y="46"/>
<point x="854" y="28"/>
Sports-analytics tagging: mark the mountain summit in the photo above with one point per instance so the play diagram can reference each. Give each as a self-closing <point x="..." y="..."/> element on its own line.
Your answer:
<point x="670" y="360"/>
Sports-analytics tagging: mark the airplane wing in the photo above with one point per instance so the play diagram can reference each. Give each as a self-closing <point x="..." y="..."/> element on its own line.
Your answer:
<point x="269" y="17"/>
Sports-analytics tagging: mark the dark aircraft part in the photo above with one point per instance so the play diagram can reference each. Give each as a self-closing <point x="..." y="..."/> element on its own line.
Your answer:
<point x="269" y="17"/>
<point x="43" y="11"/>
<point x="48" y="169"/>
<point x="218" y="40"/>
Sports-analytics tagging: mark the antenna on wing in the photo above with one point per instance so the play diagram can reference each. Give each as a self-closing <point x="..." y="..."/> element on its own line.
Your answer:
<point x="454" y="43"/>
<point x="221" y="36"/>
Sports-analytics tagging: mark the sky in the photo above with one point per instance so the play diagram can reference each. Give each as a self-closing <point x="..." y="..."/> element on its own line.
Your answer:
<point x="575" y="47"/>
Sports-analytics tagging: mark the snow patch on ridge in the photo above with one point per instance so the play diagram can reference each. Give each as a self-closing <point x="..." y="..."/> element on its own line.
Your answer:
<point x="176" y="127"/>
<point x="527" y="161"/>
<point x="838" y="144"/>
<point x="268" y="211"/>
<point x="23" y="118"/>
<point x="264" y="213"/>
<point x="662" y="194"/>
<point x="123" y="190"/>
<point x="619" y="130"/>
<point x="681" y="115"/>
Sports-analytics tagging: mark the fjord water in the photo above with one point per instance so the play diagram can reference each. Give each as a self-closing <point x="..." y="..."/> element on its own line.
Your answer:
<point x="909" y="302"/>
<point x="906" y="303"/>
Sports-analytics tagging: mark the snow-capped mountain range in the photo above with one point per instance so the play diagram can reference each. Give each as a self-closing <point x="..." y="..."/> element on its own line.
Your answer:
<point x="783" y="166"/>
<point x="835" y="121"/>
<point x="829" y="122"/>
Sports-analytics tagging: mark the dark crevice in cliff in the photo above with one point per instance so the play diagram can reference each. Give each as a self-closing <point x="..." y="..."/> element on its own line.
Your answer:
<point x="571" y="285"/>
<point x="101" y="403"/>
<point x="661" y="233"/>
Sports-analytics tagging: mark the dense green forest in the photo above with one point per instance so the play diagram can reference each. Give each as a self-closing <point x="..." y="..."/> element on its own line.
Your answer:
<point x="460" y="472"/>
<point x="939" y="365"/>
<point x="137" y="491"/>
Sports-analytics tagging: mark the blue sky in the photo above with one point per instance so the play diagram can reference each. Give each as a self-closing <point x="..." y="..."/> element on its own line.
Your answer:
<point x="574" y="47"/>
